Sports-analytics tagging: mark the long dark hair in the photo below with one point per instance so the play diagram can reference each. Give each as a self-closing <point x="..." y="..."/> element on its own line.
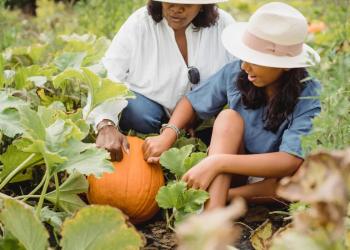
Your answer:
<point x="206" y="17"/>
<point x="282" y="104"/>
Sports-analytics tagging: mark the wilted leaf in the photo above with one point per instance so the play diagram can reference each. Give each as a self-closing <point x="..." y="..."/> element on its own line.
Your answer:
<point x="99" y="227"/>
<point x="261" y="237"/>
<point x="55" y="219"/>
<point x="21" y="221"/>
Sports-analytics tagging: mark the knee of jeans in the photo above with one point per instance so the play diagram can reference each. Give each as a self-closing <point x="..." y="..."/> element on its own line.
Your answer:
<point x="142" y="123"/>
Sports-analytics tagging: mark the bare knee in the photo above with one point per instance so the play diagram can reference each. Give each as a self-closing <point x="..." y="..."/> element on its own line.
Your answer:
<point x="228" y="121"/>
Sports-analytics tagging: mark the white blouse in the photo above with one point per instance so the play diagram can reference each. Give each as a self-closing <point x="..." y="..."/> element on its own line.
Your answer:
<point x="145" y="56"/>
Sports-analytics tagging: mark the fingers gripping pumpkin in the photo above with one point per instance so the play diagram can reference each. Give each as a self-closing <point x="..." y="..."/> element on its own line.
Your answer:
<point x="132" y="187"/>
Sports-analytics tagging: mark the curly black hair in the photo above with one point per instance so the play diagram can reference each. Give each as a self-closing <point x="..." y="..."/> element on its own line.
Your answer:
<point x="281" y="105"/>
<point x="207" y="17"/>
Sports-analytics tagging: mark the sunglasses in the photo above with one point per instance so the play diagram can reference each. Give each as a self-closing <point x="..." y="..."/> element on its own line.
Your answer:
<point x="193" y="75"/>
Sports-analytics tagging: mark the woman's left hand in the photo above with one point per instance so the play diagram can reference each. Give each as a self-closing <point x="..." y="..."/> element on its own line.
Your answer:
<point x="201" y="175"/>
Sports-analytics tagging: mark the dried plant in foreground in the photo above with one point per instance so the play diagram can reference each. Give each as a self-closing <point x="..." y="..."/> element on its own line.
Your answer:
<point x="211" y="230"/>
<point x="323" y="182"/>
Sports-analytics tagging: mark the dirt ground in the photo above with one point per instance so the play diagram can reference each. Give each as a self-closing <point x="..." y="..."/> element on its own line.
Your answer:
<point x="159" y="237"/>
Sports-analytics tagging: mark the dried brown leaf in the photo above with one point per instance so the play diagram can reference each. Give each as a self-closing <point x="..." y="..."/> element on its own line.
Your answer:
<point x="261" y="237"/>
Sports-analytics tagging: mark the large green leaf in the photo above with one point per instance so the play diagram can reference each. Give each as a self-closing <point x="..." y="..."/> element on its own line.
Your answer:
<point x="101" y="90"/>
<point x="99" y="227"/>
<point x="21" y="221"/>
<point x="174" y="159"/>
<point x="92" y="161"/>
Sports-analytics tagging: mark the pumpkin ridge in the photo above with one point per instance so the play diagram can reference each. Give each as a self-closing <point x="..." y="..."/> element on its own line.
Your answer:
<point x="144" y="206"/>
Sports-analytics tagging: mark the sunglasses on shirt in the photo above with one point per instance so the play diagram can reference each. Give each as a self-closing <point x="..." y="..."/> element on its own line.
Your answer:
<point x="193" y="75"/>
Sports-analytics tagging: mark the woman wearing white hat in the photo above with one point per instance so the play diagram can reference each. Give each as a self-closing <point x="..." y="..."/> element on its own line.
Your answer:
<point x="159" y="52"/>
<point x="268" y="94"/>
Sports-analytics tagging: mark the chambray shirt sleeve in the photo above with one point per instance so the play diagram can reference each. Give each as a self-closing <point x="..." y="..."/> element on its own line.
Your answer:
<point x="211" y="96"/>
<point x="306" y="109"/>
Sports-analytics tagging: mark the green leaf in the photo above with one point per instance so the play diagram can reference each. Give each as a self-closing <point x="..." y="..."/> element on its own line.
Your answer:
<point x="69" y="201"/>
<point x="99" y="227"/>
<point x="174" y="159"/>
<point x="9" y="117"/>
<point x="9" y="123"/>
<point x="13" y="158"/>
<point x="69" y="73"/>
<point x="101" y="90"/>
<point x="21" y="221"/>
<point x="32" y="124"/>
<point x="69" y="60"/>
<point x="194" y="199"/>
<point x="192" y="160"/>
<point x="8" y="242"/>
<point x="171" y="195"/>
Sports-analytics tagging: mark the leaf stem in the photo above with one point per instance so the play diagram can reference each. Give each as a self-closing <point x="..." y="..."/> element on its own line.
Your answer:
<point x="18" y="169"/>
<point x="27" y="196"/>
<point x="57" y="184"/>
<point x="43" y="192"/>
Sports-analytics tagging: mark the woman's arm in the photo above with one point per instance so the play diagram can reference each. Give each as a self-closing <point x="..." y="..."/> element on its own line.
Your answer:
<point x="183" y="115"/>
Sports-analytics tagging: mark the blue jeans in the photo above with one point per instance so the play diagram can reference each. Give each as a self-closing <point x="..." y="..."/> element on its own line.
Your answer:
<point x="142" y="115"/>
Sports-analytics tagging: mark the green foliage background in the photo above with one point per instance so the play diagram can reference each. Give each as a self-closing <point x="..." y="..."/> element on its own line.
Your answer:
<point x="104" y="18"/>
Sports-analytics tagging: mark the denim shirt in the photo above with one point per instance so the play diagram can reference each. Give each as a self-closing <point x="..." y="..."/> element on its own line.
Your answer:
<point x="220" y="89"/>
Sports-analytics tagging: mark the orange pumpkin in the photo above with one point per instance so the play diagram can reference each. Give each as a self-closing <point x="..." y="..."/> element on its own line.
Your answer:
<point x="132" y="187"/>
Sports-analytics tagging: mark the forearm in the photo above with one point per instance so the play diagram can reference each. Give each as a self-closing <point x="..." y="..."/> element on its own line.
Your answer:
<point x="181" y="117"/>
<point x="275" y="165"/>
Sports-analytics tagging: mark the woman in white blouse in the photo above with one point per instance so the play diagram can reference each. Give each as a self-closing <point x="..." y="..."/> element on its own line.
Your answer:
<point x="160" y="52"/>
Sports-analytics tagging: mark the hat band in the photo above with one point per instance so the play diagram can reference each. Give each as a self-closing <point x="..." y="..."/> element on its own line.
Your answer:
<point x="268" y="47"/>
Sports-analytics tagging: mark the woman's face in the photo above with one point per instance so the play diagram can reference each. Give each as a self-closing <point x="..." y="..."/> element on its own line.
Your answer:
<point x="262" y="76"/>
<point x="179" y="16"/>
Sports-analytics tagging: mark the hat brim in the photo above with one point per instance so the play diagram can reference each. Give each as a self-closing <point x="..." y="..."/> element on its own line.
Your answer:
<point x="192" y="1"/>
<point x="232" y="41"/>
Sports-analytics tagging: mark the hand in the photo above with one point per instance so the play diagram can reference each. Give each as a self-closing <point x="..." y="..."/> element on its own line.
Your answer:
<point x="201" y="175"/>
<point x="154" y="146"/>
<point x="113" y="141"/>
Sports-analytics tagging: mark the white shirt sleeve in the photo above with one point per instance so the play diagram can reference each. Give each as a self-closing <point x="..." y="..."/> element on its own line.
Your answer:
<point x="118" y="56"/>
<point x="107" y="110"/>
<point x="117" y="62"/>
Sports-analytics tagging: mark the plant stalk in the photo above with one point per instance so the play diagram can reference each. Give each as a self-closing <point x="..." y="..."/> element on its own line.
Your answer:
<point x="27" y="196"/>
<point x="43" y="193"/>
<point x="57" y="184"/>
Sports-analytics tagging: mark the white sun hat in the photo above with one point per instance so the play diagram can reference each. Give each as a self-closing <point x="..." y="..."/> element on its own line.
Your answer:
<point x="274" y="36"/>
<point x="192" y="1"/>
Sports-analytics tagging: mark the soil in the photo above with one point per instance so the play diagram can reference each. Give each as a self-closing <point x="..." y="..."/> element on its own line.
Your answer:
<point x="159" y="237"/>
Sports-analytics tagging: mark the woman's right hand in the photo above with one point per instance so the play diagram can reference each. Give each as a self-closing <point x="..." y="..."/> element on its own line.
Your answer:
<point x="154" y="146"/>
<point x="113" y="141"/>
